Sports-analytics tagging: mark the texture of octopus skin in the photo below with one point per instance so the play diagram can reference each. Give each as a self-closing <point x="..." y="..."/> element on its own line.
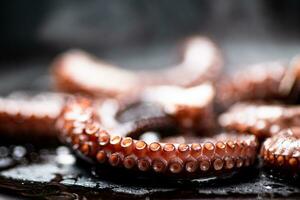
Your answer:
<point x="261" y="119"/>
<point x="82" y="129"/>
<point x="35" y="115"/>
<point x="78" y="72"/>
<point x="278" y="123"/>
<point x="282" y="151"/>
<point x="28" y="117"/>
<point x="264" y="81"/>
<point x="186" y="106"/>
<point x="168" y="106"/>
<point x="23" y="115"/>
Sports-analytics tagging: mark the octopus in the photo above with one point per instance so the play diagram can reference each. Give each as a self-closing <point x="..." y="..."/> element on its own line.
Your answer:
<point x="277" y="124"/>
<point x="104" y="114"/>
<point x="267" y="81"/>
<point x="28" y="117"/>
<point x="190" y="156"/>
<point x="96" y="131"/>
<point x="79" y="72"/>
<point x="260" y="119"/>
<point x="282" y="151"/>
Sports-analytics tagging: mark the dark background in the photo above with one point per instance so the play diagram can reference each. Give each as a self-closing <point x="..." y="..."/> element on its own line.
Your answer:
<point x="141" y="33"/>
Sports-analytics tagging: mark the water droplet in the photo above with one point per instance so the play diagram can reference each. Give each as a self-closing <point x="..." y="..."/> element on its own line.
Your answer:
<point x="268" y="187"/>
<point x="62" y="150"/>
<point x="3" y="152"/>
<point x="65" y="159"/>
<point x="19" y="152"/>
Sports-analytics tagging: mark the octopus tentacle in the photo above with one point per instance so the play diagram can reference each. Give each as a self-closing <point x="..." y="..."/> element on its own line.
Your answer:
<point x="191" y="108"/>
<point x="101" y="131"/>
<point x="222" y="153"/>
<point x="260" y="119"/>
<point x="265" y="81"/>
<point x="78" y="72"/>
<point x="133" y="119"/>
<point x="82" y="124"/>
<point x="282" y="151"/>
<point x="278" y="123"/>
<point x="25" y="115"/>
<point x="201" y="61"/>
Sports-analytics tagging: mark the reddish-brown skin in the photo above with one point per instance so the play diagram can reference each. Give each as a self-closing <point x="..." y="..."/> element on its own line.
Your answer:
<point x="264" y="81"/>
<point x="282" y="151"/>
<point x="78" y="72"/>
<point x="186" y="106"/>
<point x="260" y="119"/>
<point x="87" y="127"/>
<point x="101" y="138"/>
<point x="82" y="129"/>
<point x="280" y="124"/>
<point x="84" y="124"/>
<point x="22" y="115"/>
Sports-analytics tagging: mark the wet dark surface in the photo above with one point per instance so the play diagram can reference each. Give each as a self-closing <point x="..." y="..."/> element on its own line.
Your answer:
<point x="56" y="173"/>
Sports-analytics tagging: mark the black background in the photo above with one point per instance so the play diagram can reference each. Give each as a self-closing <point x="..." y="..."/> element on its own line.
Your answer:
<point x="34" y="29"/>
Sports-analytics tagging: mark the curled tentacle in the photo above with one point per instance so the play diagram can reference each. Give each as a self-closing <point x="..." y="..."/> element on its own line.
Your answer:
<point x="201" y="61"/>
<point x="22" y="115"/>
<point x="191" y="108"/>
<point x="282" y="151"/>
<point x="78" y="72"/>
<point x="81" y="128"/>
<point x="260" y="119"/>
<point x="278" y="123"/>
<point x="265" y="81"/>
